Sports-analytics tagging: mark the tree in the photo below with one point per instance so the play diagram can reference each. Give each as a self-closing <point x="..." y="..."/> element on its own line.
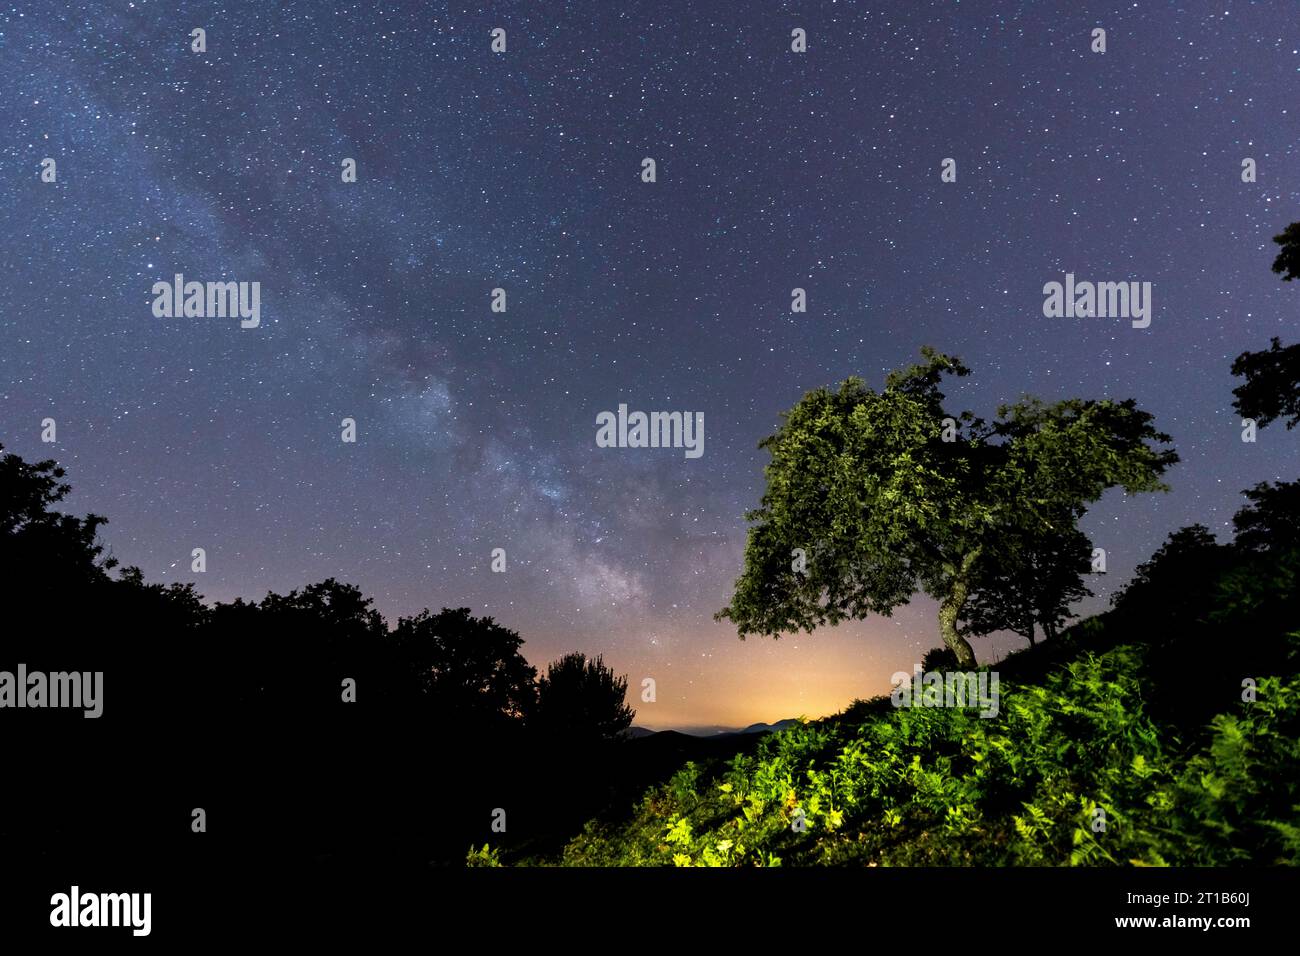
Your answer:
<point x="1028" y="581"/>
<point x="1287" y="263"/>
<point x="1272" y="387"/>
<point x="330" y="603"/>
<point x="468" y="667"/>
<point x="939" y="660"/>
<point x="1271" y="522"/>
<point x="871" y="496"/>
<point x="42" y="550"/>
<point x="1178" y="579"/>
<point x="300" y="646"/>
<point x="581" y="700"/>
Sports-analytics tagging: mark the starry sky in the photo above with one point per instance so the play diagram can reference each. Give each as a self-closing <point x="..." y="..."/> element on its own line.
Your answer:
<point x="521" y="170"/>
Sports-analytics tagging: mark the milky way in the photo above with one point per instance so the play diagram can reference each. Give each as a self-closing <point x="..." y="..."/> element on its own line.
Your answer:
<point x="521" y="170"/>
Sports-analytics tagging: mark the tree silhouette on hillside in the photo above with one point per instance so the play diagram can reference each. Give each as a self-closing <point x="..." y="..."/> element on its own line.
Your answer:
<point x="1028" y="583"/>
<point x="581" y="700"/>
<point x="244" y="705"/>
<point x="469" y="667"/>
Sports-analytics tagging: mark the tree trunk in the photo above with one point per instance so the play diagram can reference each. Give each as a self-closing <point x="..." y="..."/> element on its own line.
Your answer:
<point x="950" y="609"/>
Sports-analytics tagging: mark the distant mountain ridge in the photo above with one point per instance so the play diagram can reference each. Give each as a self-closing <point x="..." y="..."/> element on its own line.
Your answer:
<point x="713" y="732"/>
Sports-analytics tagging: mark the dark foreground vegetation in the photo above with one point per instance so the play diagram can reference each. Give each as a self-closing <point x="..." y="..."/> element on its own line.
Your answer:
<point x="304" y="726"/>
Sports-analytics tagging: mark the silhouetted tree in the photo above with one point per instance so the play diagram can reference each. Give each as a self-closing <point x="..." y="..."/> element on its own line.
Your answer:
<point x="180" y="604"/>
<point x="250" y="692"/>
<point x="1272" y="387"/>
<point x="43" y="551"/>
<point x="1287" y="263"/>
<point x="939" y="660"/>
<point x="581" y="700"/>
<point x="295" y="650"/>
<point x="1176" y="582"/>
<point x="865" y="484"/>
<point x="1271" y="522"/>
<point x="469" y="667"/>
<point x="1024" y="582"/>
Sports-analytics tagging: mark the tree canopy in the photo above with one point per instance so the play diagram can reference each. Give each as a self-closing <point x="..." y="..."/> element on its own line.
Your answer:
<point x="1287" y="263"/>
<point x="1028" y="582"/>
<point x="871" y="496"/>
<point x="471" y="666"/>
<point x="1271" y="522"/>
<point x="1272" y="387"/>
<point x="579" y="698"/>
<point x="41" y="548"/>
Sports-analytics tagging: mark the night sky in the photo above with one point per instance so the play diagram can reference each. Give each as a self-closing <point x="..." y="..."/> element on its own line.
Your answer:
<point x="522" y="170"/>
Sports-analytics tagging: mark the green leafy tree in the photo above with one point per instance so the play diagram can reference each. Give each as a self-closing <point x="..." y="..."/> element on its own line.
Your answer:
<point x="884" y="493"/>
<point x="581" y="699"/>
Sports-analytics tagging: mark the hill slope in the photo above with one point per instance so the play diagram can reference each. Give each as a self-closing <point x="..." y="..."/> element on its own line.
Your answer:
<point x="1075" y="772"/>
<point x="1164" y="731"/>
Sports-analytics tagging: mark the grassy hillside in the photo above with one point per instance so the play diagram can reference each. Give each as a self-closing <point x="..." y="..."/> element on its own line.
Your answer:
<point x="1126" y="741"/>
